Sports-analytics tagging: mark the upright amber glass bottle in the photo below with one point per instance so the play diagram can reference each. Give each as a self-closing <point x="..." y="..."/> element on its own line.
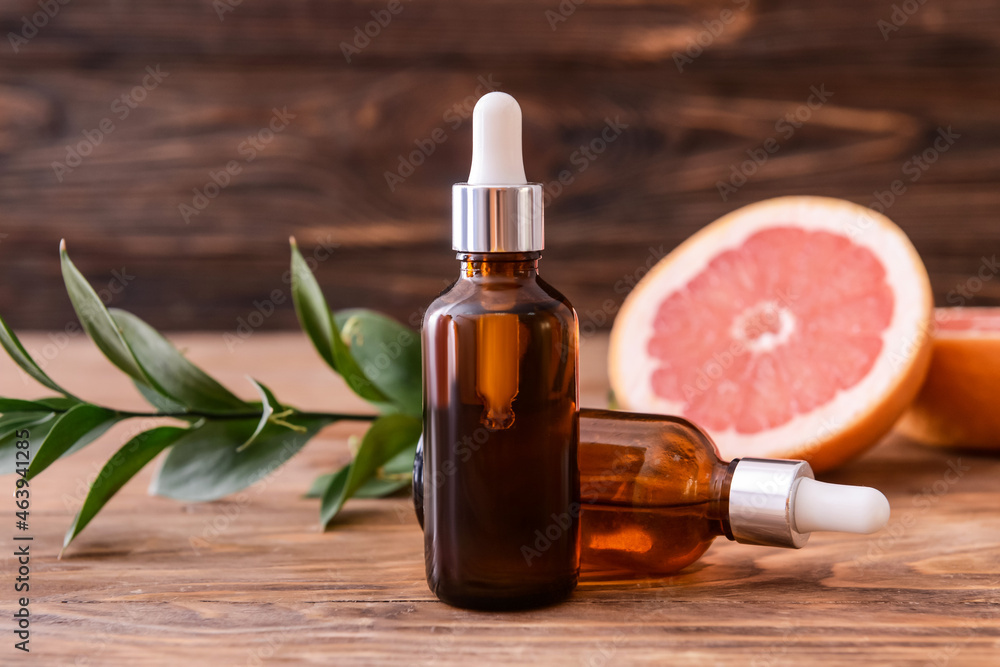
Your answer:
<point x="500" y="394"/>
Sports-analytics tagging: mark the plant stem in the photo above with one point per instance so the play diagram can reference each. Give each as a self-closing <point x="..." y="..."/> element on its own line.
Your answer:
<point x="247" y="415"/>
<point x="128" y="414"/>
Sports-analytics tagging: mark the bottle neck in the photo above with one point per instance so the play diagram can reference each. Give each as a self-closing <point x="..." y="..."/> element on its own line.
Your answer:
<point x="499" y="264"/>
<point x="718" y="508"/>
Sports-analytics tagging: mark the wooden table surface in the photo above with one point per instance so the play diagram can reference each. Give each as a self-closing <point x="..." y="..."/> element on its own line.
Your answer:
<point x="251" y="580"/>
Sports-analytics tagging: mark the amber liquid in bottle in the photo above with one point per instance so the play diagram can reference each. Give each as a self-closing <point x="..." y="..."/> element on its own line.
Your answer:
<point x="500" y="437"/>
<point x="653" y="490"/>
<point x="654" y="494"/>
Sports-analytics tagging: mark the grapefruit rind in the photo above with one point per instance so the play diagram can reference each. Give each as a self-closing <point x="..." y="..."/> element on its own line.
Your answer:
<point x="856" y="417"/>
<point x="957" y="405"/>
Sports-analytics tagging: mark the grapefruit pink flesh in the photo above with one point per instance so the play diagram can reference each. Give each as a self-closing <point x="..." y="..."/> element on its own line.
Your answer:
<point x="790" y="328"/>
<point x="750" y="302"/>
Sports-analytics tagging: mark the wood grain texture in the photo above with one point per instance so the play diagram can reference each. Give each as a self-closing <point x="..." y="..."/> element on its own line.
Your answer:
<point x="250" y="580"/>
<point x="323" y="177"/>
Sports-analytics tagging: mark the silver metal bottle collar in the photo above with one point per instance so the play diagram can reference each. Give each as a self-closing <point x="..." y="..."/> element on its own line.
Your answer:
<point x="498" y="218"/>
<point x="761" y="502"/>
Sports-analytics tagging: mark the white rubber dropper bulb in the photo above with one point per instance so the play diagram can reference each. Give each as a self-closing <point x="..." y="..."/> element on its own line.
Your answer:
<point x="838" y="507"/>
<point x="496" y="141"/>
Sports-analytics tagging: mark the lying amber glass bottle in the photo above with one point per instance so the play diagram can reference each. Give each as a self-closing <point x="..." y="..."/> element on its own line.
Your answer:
<point x="654" y="494"/>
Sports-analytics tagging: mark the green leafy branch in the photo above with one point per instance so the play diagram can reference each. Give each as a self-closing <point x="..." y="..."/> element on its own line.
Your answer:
<point x="221" y="443"/>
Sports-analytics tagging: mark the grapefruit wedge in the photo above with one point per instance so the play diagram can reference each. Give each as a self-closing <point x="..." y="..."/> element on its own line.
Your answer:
<point x="957" y="406"/>
<point x="792" y="328"/>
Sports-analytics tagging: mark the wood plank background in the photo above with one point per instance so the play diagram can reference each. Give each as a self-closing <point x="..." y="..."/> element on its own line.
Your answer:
<point x="322" y="178"/>
<point x="250" y="580"/>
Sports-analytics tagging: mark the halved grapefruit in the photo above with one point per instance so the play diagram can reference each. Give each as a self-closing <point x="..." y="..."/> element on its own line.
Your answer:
<point x="792" y="328"/>
<point x="957" y="406"/>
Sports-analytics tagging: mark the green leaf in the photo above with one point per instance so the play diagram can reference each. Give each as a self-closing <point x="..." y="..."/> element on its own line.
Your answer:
<point x="39" y="428"/>
<point x="386" y="438"/>
<point x="172" y="374"/>
<point x="376" y="487"/>
<point x="97" y="321"/>
<point x="355" y="377"/>
<point x="311" y="308"/>
<point x="204" y="464"/>
<point x="129" y="460"/>
<point x="13" y="347"/>
<point x="319" y="485"/>
<point x="13" y="421"/>
<point x="268" y="405"/>
<point x="395" y="475"/>
<point x="380" y="487"/>
<point x="386" y="353"/>
<point x="318" y="323"/>
<point x="157" y="400"/>
<point x="141" y="352"/>
<point x="9" y="405"/>
<point x="323" y="482"/>
<point x="72" y="431"/>
<point x="388" y="479"/>
<point x="58" y="403"/>
<point x="402" y="463"/>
